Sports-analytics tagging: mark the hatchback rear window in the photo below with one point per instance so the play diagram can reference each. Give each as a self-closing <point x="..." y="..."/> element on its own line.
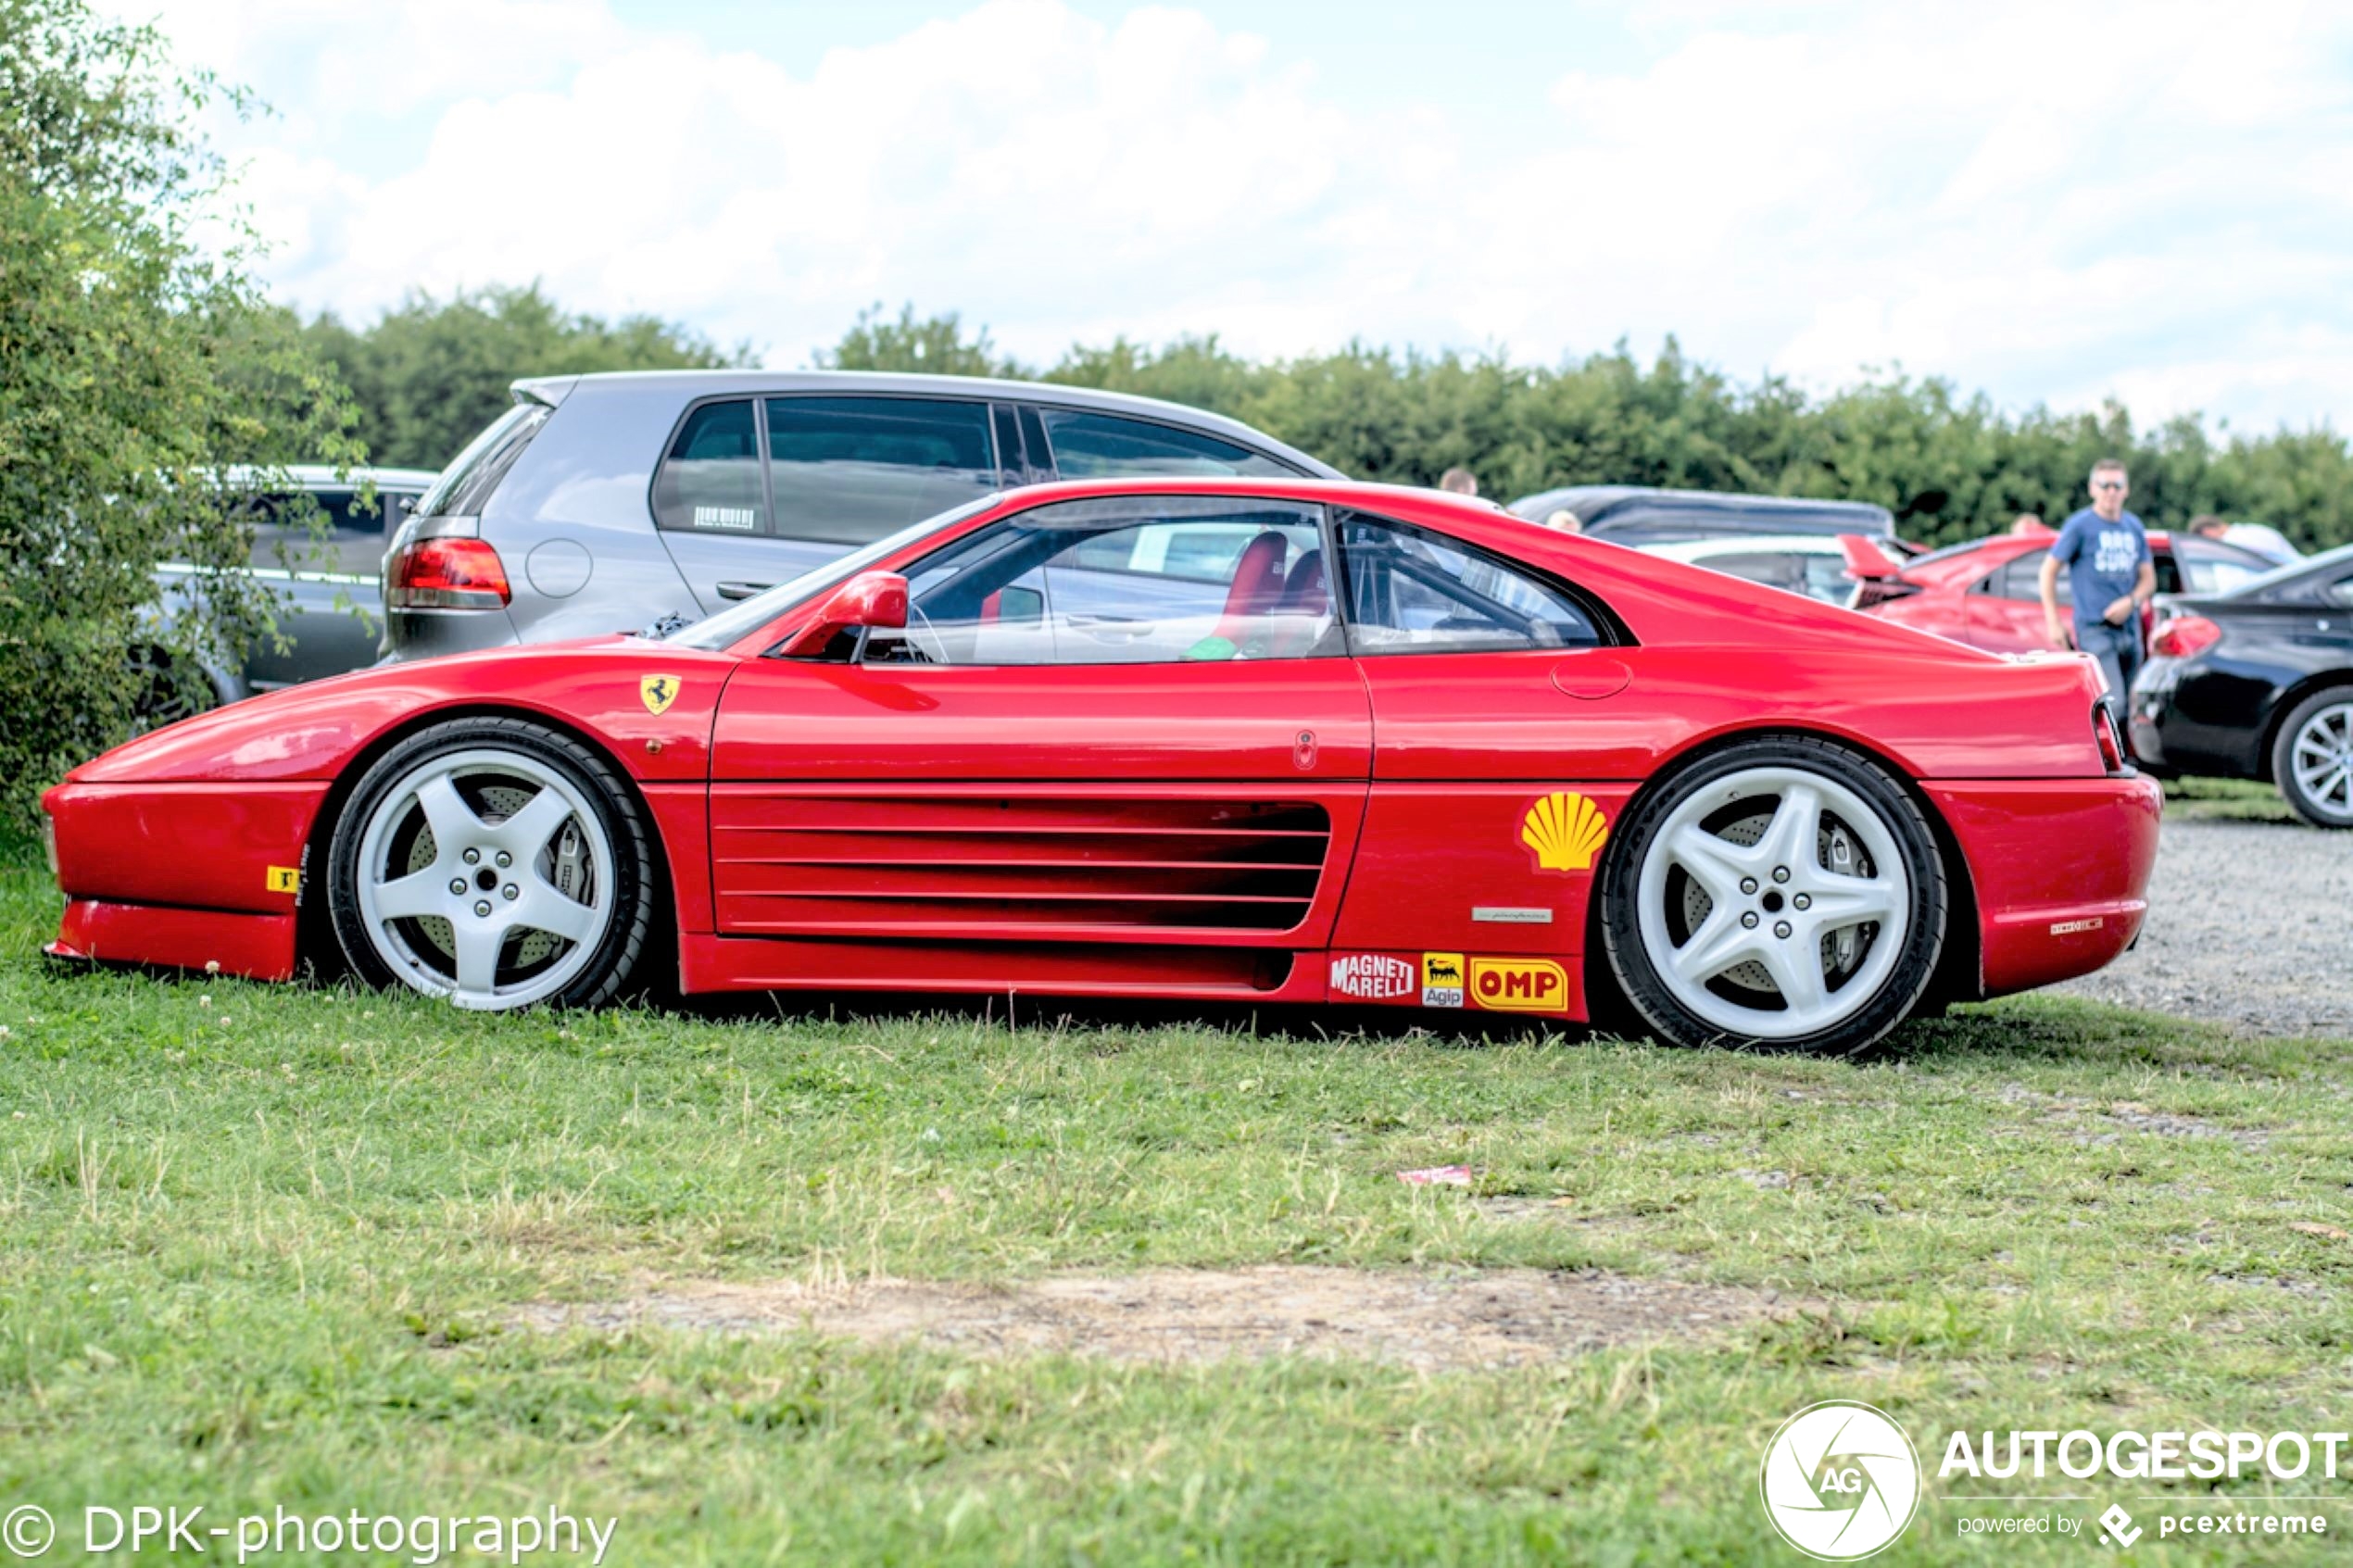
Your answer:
<point x="465" y="485"/>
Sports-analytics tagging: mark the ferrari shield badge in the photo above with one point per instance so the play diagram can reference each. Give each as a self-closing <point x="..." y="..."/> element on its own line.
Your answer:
<point x="658" y="692"/>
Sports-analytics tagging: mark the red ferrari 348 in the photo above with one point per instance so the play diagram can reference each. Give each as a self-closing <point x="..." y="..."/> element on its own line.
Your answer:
<point x="1233" y="740"/>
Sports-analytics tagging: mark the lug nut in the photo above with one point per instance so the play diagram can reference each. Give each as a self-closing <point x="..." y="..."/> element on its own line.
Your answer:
<point x="510" y="893"/>
<point x="1748" y="884"/>
<point x="482" y="907"/>
<point x="458" y="884"/>
<point x="1780" y="874"/>
<point x="504" y="858"/>
<point x="1781" y="928"/>
<point x="1749" y="920"/>
<point x="1803" y="901"/>
<point x="472" y="857"/>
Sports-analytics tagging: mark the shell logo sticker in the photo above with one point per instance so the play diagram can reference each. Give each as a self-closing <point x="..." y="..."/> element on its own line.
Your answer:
<point x="658" y="692"/>
<point x="1519" y="985"/>
<point x="1566" y="830"/>
<point x="282" y="879"/>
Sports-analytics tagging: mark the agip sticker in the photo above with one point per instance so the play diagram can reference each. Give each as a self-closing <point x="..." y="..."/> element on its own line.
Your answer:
<point x="1442" y="980"/>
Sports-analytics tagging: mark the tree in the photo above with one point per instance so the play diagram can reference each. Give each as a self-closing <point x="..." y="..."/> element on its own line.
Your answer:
<point x="429" y="375"/>
<point x="134" y="370"/>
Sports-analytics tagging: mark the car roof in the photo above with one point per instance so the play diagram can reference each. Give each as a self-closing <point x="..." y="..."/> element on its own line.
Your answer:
<point x="326" y="476"/>
<point x="553" y="390"/>
<point x="1614" y="505"/>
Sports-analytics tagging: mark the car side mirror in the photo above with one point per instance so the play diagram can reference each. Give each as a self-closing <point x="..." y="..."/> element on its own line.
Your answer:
<point x="874" y="599"/>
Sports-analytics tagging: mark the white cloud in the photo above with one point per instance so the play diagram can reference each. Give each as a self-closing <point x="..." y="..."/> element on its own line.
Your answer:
<point x="2052" y="202"/>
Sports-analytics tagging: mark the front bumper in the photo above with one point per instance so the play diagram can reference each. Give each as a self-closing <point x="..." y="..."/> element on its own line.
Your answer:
<point x="2060" y="871"/>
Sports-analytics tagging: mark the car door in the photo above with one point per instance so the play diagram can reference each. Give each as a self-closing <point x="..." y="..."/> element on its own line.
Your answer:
<point x="1118" y="740"/>
<point x="1482" y="830"/>
<point x="2006" y="606"/>
<point x="755" y="491"/>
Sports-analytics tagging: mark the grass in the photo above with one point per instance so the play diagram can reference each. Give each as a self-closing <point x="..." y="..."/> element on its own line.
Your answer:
<point x="2226" y="800"/>
<point x="260" y="1247"/>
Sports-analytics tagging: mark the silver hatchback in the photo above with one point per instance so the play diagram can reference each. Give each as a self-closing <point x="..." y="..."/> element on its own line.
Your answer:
<point x="608" y="502"/>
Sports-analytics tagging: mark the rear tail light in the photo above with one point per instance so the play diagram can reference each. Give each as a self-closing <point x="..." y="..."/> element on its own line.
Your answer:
<point x="448" y="574"/>
<point x="2178" y="636"/>
<point x="2112" y="744"/>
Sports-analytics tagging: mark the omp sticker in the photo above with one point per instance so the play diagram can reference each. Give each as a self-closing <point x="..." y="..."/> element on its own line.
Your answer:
<point x="1518" y="984"/>
<point x="2067" y="927"/>
<point x="1442" y="980"/>
<point x="658" y="692"/>
<point x="1374" y="977"/>
<point x="1566" y="830"/>
<point x="282" y="879"/>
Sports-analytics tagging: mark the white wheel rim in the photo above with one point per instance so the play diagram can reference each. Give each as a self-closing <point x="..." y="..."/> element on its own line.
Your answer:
<point x="515" y="936"/>
<point x="2321" y="760"/>
<point x="1778" y="943"/>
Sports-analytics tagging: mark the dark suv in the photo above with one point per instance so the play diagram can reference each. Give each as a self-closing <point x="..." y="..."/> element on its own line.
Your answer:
<point x="1626" y="514"/>
<point x="605" y="503"/>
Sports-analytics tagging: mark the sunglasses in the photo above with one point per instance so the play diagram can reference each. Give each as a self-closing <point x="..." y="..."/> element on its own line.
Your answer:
<point x="2110" y="485"/>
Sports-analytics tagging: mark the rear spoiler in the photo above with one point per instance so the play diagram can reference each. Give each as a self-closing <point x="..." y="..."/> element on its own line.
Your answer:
<point x="1878" y="576"/>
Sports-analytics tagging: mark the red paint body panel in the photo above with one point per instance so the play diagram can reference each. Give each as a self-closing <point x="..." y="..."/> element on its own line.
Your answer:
<point x="1951" y="602"/>
<point x="199" y="846"/>
<point x="255" y="946"/>
<point x="1214" y="830"/>
<point x="2046" y="855"/>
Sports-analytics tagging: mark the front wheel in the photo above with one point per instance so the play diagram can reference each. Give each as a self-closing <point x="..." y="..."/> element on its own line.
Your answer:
<point x="1782" y="892"/>
<point x="495" y="862"/>
<point x="2312" y="760"/>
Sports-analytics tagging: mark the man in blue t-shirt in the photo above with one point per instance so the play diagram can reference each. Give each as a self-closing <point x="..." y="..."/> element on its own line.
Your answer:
<point x="2110" y="575"/>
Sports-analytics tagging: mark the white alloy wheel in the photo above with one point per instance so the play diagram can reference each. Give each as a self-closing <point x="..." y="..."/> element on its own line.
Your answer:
<point x="2321" y="758"/>
<point x="1774" y="903"/>
<point x="484" y="876"/>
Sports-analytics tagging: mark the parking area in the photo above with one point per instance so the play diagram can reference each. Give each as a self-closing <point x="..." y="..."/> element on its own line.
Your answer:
<point x="2250" y="925"/>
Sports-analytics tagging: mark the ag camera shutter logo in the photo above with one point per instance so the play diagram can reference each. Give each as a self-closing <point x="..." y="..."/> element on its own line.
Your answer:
<point x="1841" y="1481"/>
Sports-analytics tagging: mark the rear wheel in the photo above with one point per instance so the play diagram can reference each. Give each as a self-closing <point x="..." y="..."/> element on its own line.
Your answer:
<point x="495" y="862"/>
<point x="2312" y="759"/>
<point x="1782" y="892"/>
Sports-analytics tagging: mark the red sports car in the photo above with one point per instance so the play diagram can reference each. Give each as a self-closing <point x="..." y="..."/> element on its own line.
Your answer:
<point x="1244" y="740"/>
<point x="1988" y="593"/>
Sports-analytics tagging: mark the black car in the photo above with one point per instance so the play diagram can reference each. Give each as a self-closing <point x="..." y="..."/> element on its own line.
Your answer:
<point x="2258" y="683"/>
<point x="1627" y="514"/>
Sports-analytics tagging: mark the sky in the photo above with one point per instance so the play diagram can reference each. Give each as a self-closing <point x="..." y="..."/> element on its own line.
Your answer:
<point x="2055" y="203"/>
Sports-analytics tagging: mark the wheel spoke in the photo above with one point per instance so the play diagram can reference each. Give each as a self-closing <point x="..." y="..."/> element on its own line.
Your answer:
<point x="1716" y="946"/>
<point x="1793" y="838"/>
<point x="478" y="945"/>
<point x="1715" y="864"/>
<point x="446" y="809"/>
<point x="527" y="831"/>
<point x="420" y="893"/>
<point x="544" y="908"/>
<point x="1842" y="901"/>
<point x="1797" y="970"/>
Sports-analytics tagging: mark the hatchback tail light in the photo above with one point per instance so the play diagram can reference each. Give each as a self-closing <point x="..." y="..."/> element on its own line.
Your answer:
<point x="2178" y="636"/>
<point x="448" y="574"/>
<point x="2104" y="731"/>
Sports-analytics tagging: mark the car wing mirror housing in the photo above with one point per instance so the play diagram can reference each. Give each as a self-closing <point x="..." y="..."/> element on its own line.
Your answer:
<point x="876" y="600"/>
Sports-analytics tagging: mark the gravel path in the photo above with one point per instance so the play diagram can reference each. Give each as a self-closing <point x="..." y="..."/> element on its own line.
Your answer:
<point x="2250" y="924"/>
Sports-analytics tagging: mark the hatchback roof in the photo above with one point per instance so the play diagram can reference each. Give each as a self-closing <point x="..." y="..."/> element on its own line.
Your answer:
<point x="553" y="390"/>
<point x="1614" y="507"/>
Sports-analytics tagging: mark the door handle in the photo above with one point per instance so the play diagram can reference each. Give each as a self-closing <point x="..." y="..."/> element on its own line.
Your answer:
<point x="743" y="590"/>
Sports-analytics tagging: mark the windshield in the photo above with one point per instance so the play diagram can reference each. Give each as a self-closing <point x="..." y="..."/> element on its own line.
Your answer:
<point x="731" y="625"/>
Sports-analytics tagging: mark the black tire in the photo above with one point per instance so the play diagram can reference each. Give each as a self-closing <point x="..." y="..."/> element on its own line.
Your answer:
<point x="617" y="950"/>
<point x="1889" y="1000"/>
<point x="2320" y="813"/>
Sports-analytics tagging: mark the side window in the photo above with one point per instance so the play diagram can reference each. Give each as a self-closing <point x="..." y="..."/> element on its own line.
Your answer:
<point x="1411" y="591"/>
<point x="2208" y="570"/>
<point x="285" y="538"/>
<point x="2339" y="592"/>
<point x="710" y="479"/>
<point x="850" y="470"/>
<point x="1106" y="446"/>
<point x="1167" y="580"/>
<point x="2022" y="579"/>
